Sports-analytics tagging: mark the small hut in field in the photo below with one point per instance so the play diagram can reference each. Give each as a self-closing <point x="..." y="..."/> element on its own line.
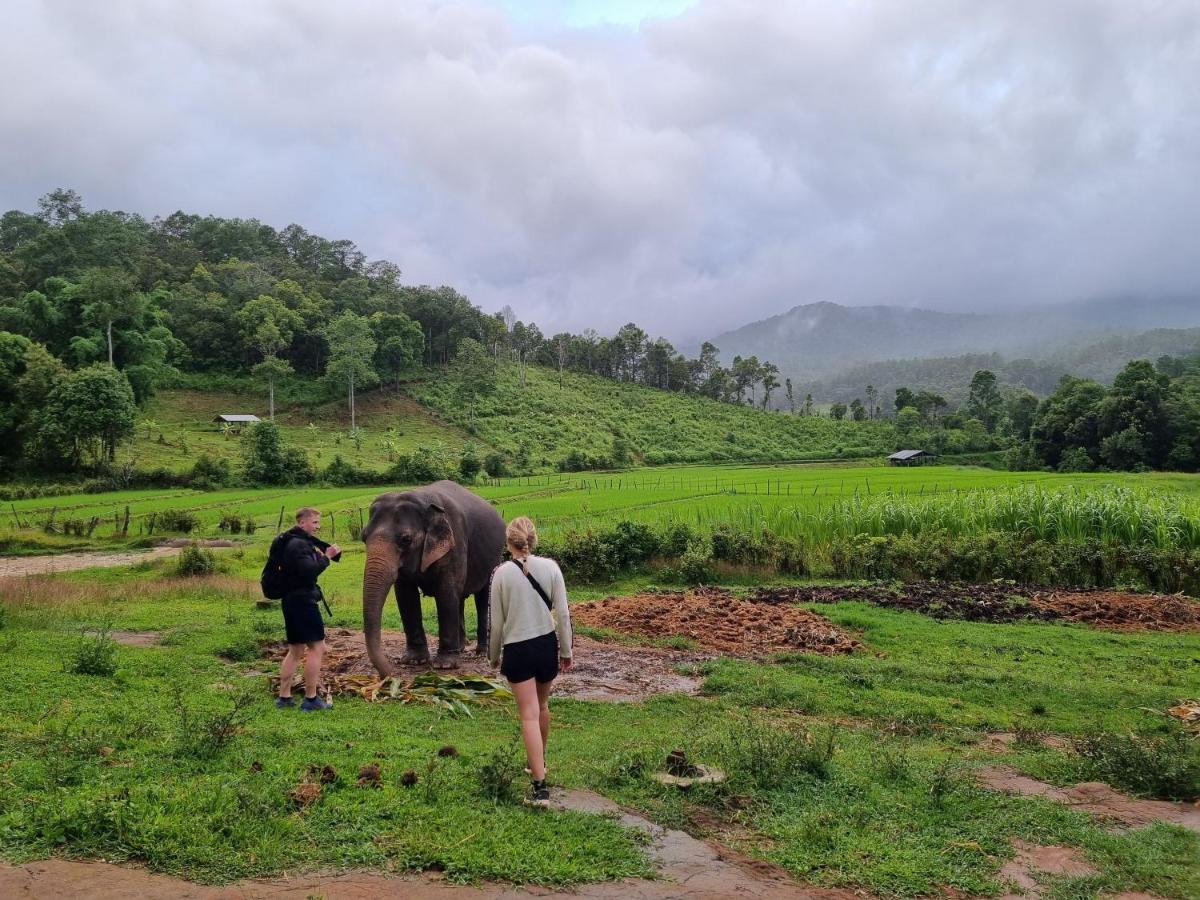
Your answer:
<point x="911" y="458"/>
<point x="235" y="421"/>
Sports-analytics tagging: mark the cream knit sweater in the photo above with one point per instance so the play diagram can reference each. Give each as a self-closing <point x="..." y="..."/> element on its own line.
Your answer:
<point x="517" y="613"/>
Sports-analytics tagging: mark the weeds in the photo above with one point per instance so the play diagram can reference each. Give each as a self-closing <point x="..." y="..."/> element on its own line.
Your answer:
<point x="500" y="771"/>
<point x="94" y="655"/>
<point x="894" y="764"/>
<point x="769" y="757"/>
<point x="1165" y="767"/>
<point x="204" y="734"/>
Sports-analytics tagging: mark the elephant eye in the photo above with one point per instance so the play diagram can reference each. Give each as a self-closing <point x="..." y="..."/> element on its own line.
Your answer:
<point x="405" y="539"/>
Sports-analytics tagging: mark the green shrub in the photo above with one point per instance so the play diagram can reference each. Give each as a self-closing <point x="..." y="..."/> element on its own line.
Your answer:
<point x="195" y="561"/>
<point x="176" y="521"/>
<point x="696" y="564"/>
<point x="345" y="474"/>
<point x="209" y="474"/>
<point x="469" y="465"/>
<point x="266" y="460"/>
<point x="422" y="465"/>
<point x="94" y="654"/>
<point x="495" y="465"/>
<point x="1165" y="767"/>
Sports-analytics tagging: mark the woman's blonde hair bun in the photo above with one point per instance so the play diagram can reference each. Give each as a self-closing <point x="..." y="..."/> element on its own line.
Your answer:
<point x="521" y="534"/>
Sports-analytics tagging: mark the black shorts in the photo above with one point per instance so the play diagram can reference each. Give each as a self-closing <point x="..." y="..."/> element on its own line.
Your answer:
<point x="534" y="658"/>
<point x="302" y="619"/>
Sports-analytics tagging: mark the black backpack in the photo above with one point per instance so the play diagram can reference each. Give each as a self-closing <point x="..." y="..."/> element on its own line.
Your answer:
<point x="274" y="582"/>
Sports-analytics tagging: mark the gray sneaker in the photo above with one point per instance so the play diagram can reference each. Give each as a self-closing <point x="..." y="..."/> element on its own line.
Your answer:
<point x="314" y="704"/>
<point x="284" y="702"/>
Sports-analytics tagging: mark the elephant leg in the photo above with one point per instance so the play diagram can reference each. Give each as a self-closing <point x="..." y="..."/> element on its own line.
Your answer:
<point x="450" y="639"/>
<point x="481" y="621"/>
<point x="408" y="599"/>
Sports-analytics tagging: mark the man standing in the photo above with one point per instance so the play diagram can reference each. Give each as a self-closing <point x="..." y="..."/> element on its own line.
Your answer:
<point x="305" y="557"/>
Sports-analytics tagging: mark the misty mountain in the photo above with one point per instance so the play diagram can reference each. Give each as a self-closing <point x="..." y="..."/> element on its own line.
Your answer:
<point x="950" y="376"/>
<point x="816" y="341"/>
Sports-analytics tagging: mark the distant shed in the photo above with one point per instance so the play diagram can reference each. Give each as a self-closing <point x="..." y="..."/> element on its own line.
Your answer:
<point x="911" y="458"/>
<point x="237" y="421"/>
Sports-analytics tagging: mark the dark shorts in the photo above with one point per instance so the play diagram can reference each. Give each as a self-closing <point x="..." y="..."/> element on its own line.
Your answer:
<point x="534" y="658"/>
<point x="302" y="619"/>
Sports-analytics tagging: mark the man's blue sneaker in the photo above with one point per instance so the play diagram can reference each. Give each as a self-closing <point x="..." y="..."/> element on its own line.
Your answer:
<point x="284" y="702"/>
<point x="311" y="704"/>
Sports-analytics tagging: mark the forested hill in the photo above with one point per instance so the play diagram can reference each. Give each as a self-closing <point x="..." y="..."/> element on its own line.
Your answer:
<point x="99" y="310"/>
<point x="950" y="376"/>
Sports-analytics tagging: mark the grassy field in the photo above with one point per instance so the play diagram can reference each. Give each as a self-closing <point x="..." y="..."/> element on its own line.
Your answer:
<point x="146" y="765"/>
<point x="802" y="499"/>
<point x="177" y="427"/>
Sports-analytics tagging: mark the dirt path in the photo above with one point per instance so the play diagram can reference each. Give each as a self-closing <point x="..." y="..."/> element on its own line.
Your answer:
<point x="689" y="869"/>
<point x="19" y="566"/>
<point x="1096" y="798"/>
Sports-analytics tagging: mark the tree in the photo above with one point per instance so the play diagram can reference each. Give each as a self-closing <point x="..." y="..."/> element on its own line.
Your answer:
<point x="266" y="460"/>
<point x="789" y="394"/>
<point x="476" y="372"/>
<point x="399" y="344"/>
<point x="904" y="397"/>
<point x="87" y="414"/>
<point x="908" y="420"/>
<point x="60" y="206"/>
<point x="1020" y="411"/>
<point x="351" y="349"/>
<point x="767" y="373"/>
<point x="837" y="411"/>
<point x="267" y="327"/>
<point x="1069" y="420"/>
<point x="808" y="404"/>
<point x="984" y="401"/>
<point x="872" y="394"/>
<point x="858" y="412"/>
<point x="1135" y="410"/>
<point x="109" y="295"/>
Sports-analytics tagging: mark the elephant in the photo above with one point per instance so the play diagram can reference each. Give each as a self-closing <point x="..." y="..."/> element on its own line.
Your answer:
<point x="440" y="539"/>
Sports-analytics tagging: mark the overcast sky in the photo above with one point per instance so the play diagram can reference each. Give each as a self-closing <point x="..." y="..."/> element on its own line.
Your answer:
<point x="690" y="166"/>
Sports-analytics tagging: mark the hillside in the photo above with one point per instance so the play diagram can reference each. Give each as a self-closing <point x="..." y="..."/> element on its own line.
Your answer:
<point x="589" y="413"/>
<point x="586" y="414"/>
<point x="178" y="427"/>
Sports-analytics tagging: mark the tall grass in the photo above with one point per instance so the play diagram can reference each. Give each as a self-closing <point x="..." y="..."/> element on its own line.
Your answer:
<point x="1120" y="515"/>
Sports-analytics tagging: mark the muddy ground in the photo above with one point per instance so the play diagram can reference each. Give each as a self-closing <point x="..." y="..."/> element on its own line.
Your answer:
<point x="716" y="620"/>
<point x="1007" y="603"/>
<point x="21" y="566"/>
<point x="607" y="672"/>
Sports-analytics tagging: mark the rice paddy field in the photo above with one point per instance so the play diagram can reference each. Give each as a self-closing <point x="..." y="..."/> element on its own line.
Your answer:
<point x="817" y="502"/>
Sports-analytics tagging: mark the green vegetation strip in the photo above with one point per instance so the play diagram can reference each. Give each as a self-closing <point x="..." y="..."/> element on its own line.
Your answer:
<point x="850" y="770"/>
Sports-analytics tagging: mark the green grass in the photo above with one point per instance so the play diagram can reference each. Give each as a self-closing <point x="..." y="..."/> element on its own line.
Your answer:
<point x="893" y="812"/>
<point x="813" y="501"/>
<point x="588" y="413"/>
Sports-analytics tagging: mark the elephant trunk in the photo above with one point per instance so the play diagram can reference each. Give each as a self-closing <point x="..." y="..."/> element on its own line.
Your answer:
<point x="383" y="562"/>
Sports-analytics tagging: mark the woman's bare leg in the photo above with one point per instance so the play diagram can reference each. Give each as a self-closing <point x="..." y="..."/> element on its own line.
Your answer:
<point x="543" y="696"/>
<point x="528" y="708"/>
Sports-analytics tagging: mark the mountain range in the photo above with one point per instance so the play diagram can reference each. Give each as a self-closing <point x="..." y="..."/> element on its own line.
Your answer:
<point x="816" y="344"/>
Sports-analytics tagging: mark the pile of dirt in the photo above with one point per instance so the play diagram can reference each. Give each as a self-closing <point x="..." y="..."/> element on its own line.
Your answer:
<point x="1006" y="603"/>
<point x="970" y="602"/>
<point x="1113" y="609"/>
<point x="716" y="620"/>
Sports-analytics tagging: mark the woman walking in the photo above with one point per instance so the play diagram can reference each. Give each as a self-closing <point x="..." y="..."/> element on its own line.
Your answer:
<point x="530" y="621"/>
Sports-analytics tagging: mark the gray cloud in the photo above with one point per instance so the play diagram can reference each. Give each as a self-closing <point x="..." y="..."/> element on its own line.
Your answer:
<point x="690" y="174"/>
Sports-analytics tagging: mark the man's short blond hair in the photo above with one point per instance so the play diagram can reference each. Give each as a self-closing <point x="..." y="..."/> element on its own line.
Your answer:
<point x="306" y="512"/>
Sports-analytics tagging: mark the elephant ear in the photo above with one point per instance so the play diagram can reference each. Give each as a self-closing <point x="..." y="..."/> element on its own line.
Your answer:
<point x="439" y="537"/>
